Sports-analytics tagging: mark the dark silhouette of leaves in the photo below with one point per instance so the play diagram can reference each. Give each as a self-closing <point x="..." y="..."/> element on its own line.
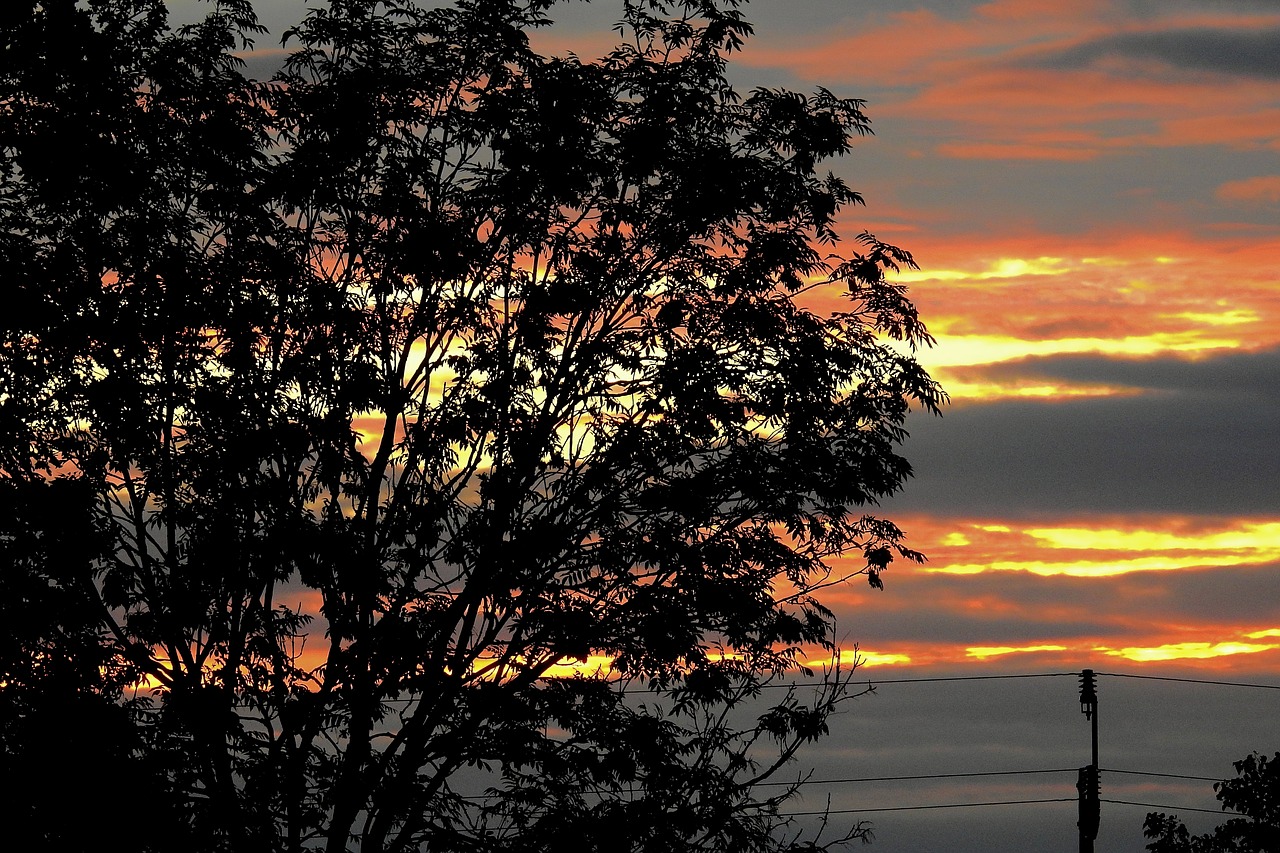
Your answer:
<point x="340" y="410"/>
<point x="1254" y="795"/>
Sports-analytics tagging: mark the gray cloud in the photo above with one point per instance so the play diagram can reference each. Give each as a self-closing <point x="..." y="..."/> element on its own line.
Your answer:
<point x="1252" y="374"/>
<point x="1202" y="440"/>
<point x="884" y="631"/>
<point x="1244" y="595"/>
<point x="263" y="64"/>
<point x="1242" y="52"/>
<point x="1158" y="9"/>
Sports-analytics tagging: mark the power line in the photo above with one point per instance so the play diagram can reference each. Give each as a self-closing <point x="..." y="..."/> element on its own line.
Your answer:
<point x="970" y="678"/>
<point x="921" y="807"/>
<point x="873" y="682"/>
<point x="932" y="806"/>
<point x="907" y="778"/>
<point x="1000" y="803"/>
<point x="793" y="685"/>
<point x="936" y="679"/>
<point x="803" y="782"/>
<point x="1164" y="775"/>
<point x="1192" y="680"/>
<point x="987" y="773"/>
<point x="1158" y="806"/>
<point x="637" y="690"/>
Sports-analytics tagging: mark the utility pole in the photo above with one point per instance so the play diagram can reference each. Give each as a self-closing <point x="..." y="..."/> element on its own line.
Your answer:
<point x="1088" y="784"/>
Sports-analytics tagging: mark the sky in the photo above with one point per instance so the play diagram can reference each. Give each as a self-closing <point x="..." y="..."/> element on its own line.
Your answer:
<point x="1092" y="192"/>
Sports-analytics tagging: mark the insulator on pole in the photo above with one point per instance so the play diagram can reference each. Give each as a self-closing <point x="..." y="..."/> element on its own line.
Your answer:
<point x="1087" y="785"/>
<point x="1088" y="694"/>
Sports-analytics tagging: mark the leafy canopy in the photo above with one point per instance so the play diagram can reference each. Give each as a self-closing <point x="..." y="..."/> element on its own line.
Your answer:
<point x="1254" y="795"/>
<point x="340" y="410"/>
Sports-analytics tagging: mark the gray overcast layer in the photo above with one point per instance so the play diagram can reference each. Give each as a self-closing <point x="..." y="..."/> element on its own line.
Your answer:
<point x="1198" y="437"/>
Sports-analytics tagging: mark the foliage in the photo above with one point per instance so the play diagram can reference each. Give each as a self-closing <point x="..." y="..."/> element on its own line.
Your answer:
<point x="338" y="411"/>
<point x="1254" y="794"/>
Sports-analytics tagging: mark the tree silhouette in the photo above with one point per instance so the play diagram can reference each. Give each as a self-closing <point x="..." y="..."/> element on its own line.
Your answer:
<point x="1254" y="794"/>
<point x="340" y="411"/>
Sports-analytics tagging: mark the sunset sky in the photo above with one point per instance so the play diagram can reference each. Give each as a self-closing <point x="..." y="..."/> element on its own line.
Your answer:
<point x="1092" y="191"/>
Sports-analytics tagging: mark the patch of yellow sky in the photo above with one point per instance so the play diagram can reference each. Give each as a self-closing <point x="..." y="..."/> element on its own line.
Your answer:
<point x="1105" y="552"/>
<point x="1169" y="544"/>
<point x="1074" y="651"/>
<point x="1142" y="654"/>
<point x="1186" y="324"/>
<point x="1206" y="323"/>
<point x="1210" y="326"/>
<point x="984" y="652"/>
<point x="601" y="665"/>
<point x="1191" y="651"/>
<point x="1071" y="651"/>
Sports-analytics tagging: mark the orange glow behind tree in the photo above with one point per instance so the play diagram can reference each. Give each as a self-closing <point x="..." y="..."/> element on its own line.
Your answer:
<point x="499" y="356"/>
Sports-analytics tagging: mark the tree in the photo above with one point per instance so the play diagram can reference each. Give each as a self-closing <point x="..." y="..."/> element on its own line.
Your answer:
<point x="341" y="410"/>
<point x="1254" y="794"/>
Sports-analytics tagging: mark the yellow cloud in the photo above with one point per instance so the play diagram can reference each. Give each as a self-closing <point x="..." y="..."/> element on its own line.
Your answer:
<point x="1002" y="268"/>
<point x="960" y="390"/>
<point x="984" y="652"/>
<point x="972" y="350"/>
<point x="1261" y="538"/>
<point x="1183" y="651"/>
<point x="1098" y="569"/>
<point x="858" y="657"/>
<point x="876" y="659"/>
<point x="1140" y="550"/>
<point x="1237" y="317"/>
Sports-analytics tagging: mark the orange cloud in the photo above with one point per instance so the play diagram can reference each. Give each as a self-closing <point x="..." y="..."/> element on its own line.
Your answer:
<point x="989" y="84"/>
<point x="1004" y="298"/>
<point x="1081" y="547"/>
<point x="1244" y="127"/>
<point x="1073" y="592"/>
<point x="1026" y="150"/>
<point x="918" y="46"/>
<point x="1261" y="190"/>
<point x="1079" y="114"/>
